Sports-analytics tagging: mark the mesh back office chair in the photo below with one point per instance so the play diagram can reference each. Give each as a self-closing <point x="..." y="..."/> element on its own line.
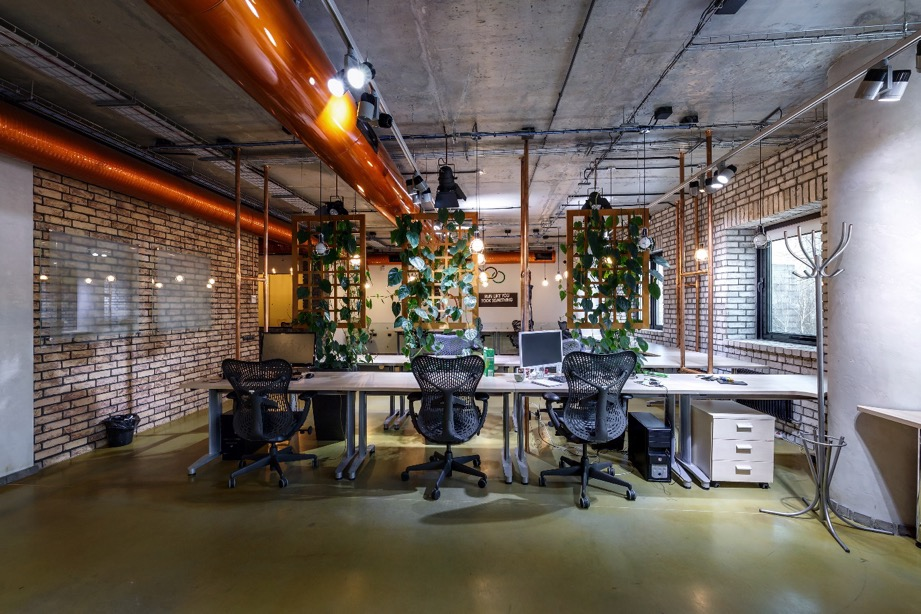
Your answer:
<point x="513" y="336"/>
<point x="448" y="413"/>
<point x="452" y="345"/>
<point x="594" y="411"/>
<point x="262" y="412"/>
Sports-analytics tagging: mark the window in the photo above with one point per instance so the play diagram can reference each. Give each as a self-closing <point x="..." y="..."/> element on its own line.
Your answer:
<point x="657" y="305"/>
<point x="786" y="303"/>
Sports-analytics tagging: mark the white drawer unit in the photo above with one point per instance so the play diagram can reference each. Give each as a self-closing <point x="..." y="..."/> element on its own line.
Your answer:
<point x="732" y="443"/>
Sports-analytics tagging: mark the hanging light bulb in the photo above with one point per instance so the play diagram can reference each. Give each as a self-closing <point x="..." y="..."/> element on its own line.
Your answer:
<point x="760" y="239"/>
<point x="43" y="277"/>
<point x="211" y="281"/>
<point x="485" y="284"/>
<point x="558" y="276"/>
<point x="368" y="284"/>
<point x="483" y="276"/>
<point x="321" y="248"/>
<point x="700" y="254"/>
<point x="546" y="282"/>
<point x="110" y="278"/>
<point x="645" y="243"/>
<point x="355" y="261"/>
<point x="477" y="246"/>
<point x="481" y="258"/>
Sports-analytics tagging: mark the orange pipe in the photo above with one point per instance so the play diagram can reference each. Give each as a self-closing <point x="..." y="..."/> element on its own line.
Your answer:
<point x="48" y="146"/>
<point x="267" y="49"/>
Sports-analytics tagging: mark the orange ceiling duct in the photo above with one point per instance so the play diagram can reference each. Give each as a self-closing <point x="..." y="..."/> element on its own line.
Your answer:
<point x="267" y="48"/>
<point x="48" y="146"/>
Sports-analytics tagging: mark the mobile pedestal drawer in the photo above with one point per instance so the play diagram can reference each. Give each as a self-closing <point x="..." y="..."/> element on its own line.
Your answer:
<point x="732" y="443"/>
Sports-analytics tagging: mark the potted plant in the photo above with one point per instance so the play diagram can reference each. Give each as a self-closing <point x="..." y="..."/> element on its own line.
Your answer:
<point x="435" y="291"/>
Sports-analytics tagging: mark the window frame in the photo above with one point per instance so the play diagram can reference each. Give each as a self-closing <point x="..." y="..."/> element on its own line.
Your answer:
<point x="654" y="323"/>
<point x="763" y="284"/>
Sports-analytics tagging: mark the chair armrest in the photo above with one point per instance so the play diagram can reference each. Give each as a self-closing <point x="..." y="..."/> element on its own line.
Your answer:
<point x="481" y="396"/>
<point x="552" y="397"/>
<point x="306" y="396"/>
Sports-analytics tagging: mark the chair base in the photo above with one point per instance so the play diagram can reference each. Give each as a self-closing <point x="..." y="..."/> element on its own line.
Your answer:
<point x="447" y="463"/>
<point x="586" y="471"/>
<point x="273" y="460"/>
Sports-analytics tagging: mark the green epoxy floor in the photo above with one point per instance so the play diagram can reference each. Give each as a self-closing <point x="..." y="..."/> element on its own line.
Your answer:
<point x="125" y="529"/>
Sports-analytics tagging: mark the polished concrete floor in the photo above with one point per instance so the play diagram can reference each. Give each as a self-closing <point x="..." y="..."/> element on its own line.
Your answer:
<point x="125" y="529"/>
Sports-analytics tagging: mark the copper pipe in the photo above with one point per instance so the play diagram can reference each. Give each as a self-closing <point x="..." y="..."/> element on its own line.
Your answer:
<point x="278" y="61"/>
<point x="679" y="264"/>
<point x="238" y="256"/>
<point x="696" y="273"/>
<point x="523" y="257"/>
<point x="57" y="149"/>
<point x="709" y="134"/>
<point x="697" y="314"/>
<point x="265" y="248"/>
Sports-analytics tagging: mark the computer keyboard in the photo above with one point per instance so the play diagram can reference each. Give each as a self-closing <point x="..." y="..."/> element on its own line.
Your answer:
<point x="557" y="378"/>
<point x="547" y="382"/>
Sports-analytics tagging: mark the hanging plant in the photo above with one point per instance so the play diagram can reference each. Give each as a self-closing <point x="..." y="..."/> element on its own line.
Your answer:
<point x="436" y="289"/>
<point x="610" y="284"/>
<point x="332" y="291"/>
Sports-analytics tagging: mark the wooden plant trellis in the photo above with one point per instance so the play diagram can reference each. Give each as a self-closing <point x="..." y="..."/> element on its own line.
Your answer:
<point x="434" y="239"/>
<point x="578" y="309"/>
<point x="335" y="283"/>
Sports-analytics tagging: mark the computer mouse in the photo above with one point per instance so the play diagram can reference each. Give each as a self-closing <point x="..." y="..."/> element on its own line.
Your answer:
<point x="308" y="375"/>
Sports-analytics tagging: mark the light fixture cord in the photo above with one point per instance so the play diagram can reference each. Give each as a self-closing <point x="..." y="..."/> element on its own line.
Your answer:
<point x="760" y="188"/>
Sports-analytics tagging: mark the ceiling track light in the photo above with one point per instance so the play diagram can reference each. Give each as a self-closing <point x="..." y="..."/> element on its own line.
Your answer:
<point x="884" y="84"/>
<point x="336" y="84"/>
<point x="711" y="185"/>
<point x="726" y="173"/>
<point x="645" y="242"/>
<point x="357" y="74"/>
<point x="596" y="201"/>
<point x="449" y="193"/>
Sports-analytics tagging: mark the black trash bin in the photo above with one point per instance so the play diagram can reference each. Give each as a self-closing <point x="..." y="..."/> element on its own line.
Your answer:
<point x="120" y="429"/>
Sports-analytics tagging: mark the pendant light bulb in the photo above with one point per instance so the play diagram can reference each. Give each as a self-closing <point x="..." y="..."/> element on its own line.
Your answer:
<point x="477" y="246"/>
<point x="700" y="254"/>
<point x="546" y="282"/>
<point x="760" y="239"/>
<point x="558" y="277"/>
<point x="321" y="248"/>
<point x="644" y="243"/>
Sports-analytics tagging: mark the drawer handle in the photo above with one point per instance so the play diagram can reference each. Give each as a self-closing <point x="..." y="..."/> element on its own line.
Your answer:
<point x="744" y="426"/>
<point x="743" y="447"/>
<point x="743" y="469"/>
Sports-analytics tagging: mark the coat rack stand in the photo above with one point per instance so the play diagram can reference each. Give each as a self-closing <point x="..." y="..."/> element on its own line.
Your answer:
<point x="822" y="452"/>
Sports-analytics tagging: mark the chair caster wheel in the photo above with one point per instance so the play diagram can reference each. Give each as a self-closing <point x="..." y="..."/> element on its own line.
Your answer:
<point x="631" y="495"/>
<point x="231" y="483"/>
<point x="436" y="495"/>
<point x="764" y="485"/>
<point x="405" y="476"/>
<point x="542" y="481"/>
<point x="482" y="483"/>
<point x="584" y="502"/>
<point x="282" y="482"/>
<point x="476" y="462"/>
<point x="714" y="484"/>
<point x="241" y="464"/>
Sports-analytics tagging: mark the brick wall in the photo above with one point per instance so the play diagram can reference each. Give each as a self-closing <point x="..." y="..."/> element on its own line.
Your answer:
<point x="793" y="186"/>
<point x="81" y="380"/>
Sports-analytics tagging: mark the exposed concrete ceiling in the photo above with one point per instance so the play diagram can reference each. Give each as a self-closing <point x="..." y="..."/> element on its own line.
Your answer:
<point x="584" y="75"/>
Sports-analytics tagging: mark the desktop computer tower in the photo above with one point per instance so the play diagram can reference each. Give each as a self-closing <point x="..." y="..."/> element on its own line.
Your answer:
<point x="233" y="447"/>
<point x="649" y="446"/>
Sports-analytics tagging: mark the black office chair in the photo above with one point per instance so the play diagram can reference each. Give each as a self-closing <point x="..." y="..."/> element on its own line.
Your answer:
<point x="594" y="411"/>
<point x="262" y="412"/>
<point x="452" y="345"/>
<point x="564" y="329"/>
<point x="448" y="413"/>
<point x="513" y="336"/>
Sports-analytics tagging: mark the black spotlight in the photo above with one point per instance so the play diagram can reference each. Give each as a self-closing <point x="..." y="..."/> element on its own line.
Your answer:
<point x="448" y="192"/>
<point x="333" y="207"/>
<point x="596" y="201"/>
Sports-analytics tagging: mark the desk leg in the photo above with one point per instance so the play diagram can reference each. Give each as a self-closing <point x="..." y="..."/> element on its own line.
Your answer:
<point x="214" y="431"/>
<point x="363" y="448"/>
<point x="520" y="456"/>
<point x="506" y="455"/>
<point x="349" y="435"/>
<point x="918" y="490"/>
<point x="684" y="454"/>
<point x="681" y="476"/>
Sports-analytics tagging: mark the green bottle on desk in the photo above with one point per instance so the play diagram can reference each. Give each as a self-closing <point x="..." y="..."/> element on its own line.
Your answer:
<point x="489" y="357"/>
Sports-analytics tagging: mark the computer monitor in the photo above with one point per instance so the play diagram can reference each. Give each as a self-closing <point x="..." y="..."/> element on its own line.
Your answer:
<point x="295" y="347"/>
<point x="542" y="348"/>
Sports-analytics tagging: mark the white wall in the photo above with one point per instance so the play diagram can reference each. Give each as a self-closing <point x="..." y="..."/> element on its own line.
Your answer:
<point x="16" y="373"/>
<point x="873" y="338"/>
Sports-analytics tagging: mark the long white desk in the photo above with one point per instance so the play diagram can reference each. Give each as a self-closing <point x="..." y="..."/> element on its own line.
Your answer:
<point x="677" y="387"/>
<point x="910" y="418"/>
